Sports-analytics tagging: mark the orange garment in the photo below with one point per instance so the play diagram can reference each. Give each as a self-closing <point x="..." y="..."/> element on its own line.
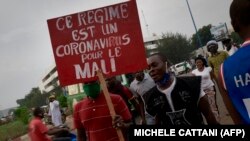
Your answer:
<point x="37" y="130"/>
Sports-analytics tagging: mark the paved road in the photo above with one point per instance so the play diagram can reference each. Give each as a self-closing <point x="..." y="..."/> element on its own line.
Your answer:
<point x="225" y="118"/>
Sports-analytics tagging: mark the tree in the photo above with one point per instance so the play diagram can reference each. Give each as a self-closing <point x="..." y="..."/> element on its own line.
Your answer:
<point x="63" y="101"/>
<point x="34" y="99"/>
<point x="22" y="114"/>
<point x="20" y="102"/>
<point x="236" y="38"/>
<point x="176" y="47"/>
<point x="204" y="34"/>
<point x="37" y="99"/>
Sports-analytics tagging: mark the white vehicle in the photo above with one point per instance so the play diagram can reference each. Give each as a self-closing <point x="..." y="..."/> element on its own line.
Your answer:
<point x="181" y="69"/>
<point x="173" y="70"/>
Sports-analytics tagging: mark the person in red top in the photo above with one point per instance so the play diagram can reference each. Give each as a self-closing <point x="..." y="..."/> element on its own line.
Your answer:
<point x="38" y="131"/>
<point x="115" y="87"/>
<point x="92" y="117"/>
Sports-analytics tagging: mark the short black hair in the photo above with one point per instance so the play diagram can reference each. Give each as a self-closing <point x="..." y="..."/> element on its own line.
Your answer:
<point x="202" y="59"/>
<point x="162" y="57"/>
<point x="239" y="10"/>
<point x="37" y="111"/>
<point x="228" y="40"/>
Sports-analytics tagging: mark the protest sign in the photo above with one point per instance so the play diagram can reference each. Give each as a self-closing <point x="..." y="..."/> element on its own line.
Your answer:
<point x="107" y="39"/>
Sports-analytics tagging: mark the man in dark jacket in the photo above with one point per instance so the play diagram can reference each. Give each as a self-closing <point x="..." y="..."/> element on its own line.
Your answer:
<point x="175" y="100"/>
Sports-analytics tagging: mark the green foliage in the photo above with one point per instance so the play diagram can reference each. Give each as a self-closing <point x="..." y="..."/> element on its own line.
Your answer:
<point x="77" y="97"/>
<point x="236" y="38"/>
<point x="22" y="114"/>
<point x="34" y="99"/>
<point x="58" y="91"/>
<point x="205" y="36"/>
<point x="37" y="99"/>
<point x="176" y="47"/>
<point x="12" y="130"/>
<point x="20" y="102"/>
<point x="63" y="101"/>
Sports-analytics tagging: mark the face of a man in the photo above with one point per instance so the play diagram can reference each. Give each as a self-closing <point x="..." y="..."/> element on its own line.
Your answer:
<point x="51" y="99"/>
<point x="40" y="113"/>
<point x="212" y="48"/>
<point x="139" y="76"/>
<point x="228" y="45"/>
<point x="156" y="67"/>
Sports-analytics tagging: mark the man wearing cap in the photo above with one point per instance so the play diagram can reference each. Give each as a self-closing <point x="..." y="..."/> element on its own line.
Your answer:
<point x="54" y="111"/>
<point x="216" y="58"/>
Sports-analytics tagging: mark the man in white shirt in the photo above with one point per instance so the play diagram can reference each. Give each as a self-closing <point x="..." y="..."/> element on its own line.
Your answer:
<point x="54" y="111"/>
<point x="140" y="85"/>
<point x="230" y="48"/>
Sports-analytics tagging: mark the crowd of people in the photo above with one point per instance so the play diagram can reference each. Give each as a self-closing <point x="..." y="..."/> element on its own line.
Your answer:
<point x="158" y="97"/>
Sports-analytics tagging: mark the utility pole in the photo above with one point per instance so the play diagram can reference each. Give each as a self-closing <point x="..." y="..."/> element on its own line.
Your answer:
<point x="146" y="23"/>
<point x="197" y="34"/>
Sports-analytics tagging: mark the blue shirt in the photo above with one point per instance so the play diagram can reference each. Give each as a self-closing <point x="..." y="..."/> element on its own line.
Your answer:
<point x="236" y="76"/>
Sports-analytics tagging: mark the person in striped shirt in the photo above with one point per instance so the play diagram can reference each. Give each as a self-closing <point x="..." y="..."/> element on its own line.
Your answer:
<point x="92" y="117"/>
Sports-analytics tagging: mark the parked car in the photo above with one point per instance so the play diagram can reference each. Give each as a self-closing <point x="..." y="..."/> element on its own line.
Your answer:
<point x="182" y="68"/>
<point x="173" y="70"/>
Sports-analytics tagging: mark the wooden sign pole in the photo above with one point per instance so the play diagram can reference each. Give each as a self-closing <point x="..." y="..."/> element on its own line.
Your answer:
<point x="109" y="102"/>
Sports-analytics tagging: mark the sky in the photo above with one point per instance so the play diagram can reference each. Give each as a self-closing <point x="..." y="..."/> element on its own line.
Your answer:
<point x="25" y="46"/>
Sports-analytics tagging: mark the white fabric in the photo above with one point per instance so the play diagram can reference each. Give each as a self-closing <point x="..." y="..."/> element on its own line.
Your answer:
<point x="206" y="81"/>
<point x="54" y="111"/>
<point x="212" y="42"/>
<point x="232" y="50"/>
<point x="167" y="92"/>
<point x="140" y="88"/>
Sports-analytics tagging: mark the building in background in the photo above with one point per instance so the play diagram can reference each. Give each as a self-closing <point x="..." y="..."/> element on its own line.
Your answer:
<point x="150" y="43"/>
<point x="50" y="81"/>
